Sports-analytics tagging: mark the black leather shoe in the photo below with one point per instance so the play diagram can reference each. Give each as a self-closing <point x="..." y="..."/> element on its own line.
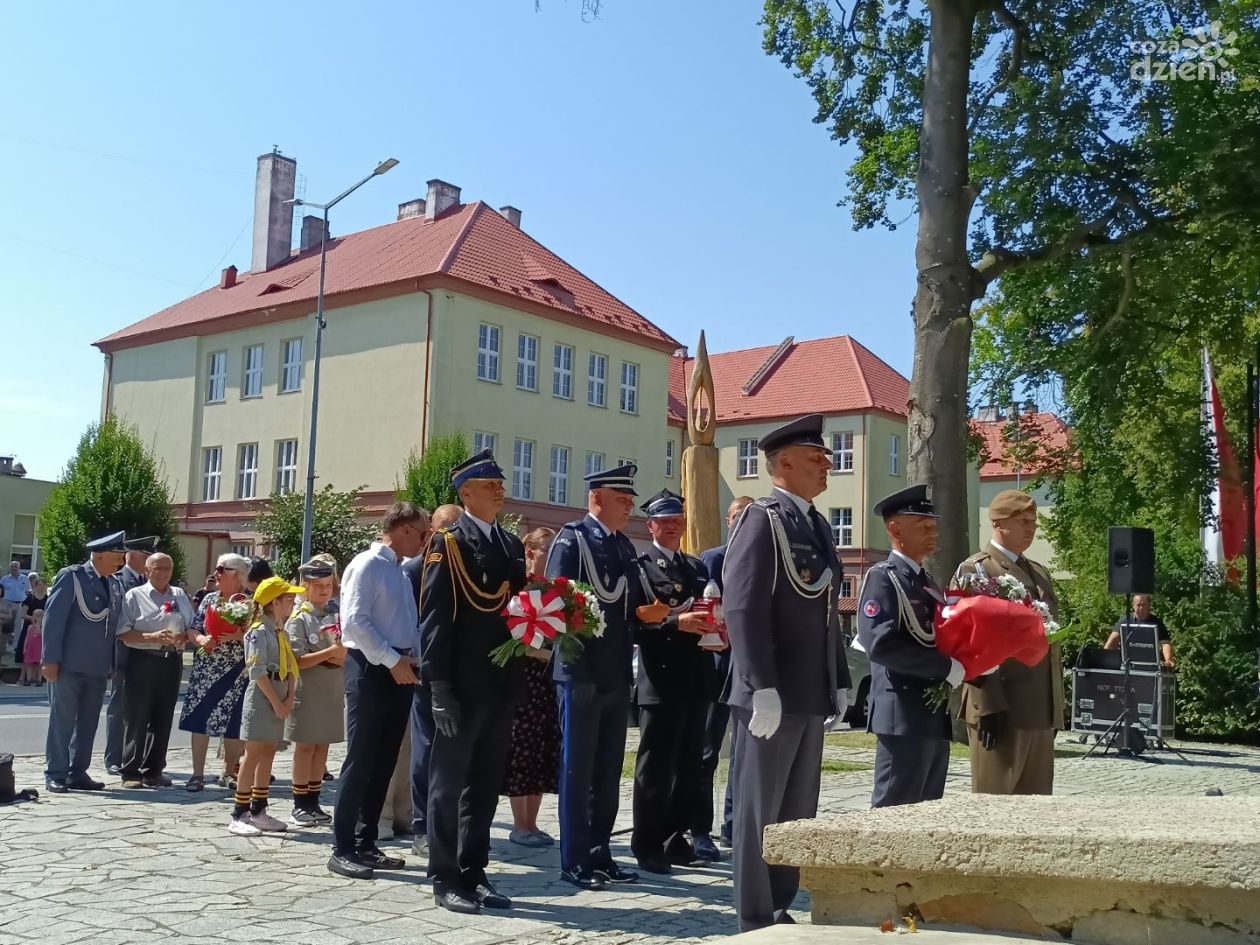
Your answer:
<point x="157" y="781"/>
<point x="454" y="900"/>
<point x="84" y="783"/>
<point x="380" y="860"/>
<point x="613" y="873"/>
<point x="680" y="853"/>
<point x="706" y="849"/>
<point x="349" y="867"/>
<point x="489" y="897"/>
<point x="55" y="785"/>
<point x="583" y="879"/>
<point x="654" y="864"/>
<point x="783" y="917"/>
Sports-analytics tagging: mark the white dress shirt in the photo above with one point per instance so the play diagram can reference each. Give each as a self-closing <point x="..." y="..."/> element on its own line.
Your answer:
<point x="378" y="607"/>
<point x="803" y="504"/>
<point x="914" y="565"/>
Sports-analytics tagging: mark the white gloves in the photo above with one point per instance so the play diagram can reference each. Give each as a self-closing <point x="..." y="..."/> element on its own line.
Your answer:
<point x="767" y="713"/>
<point x="955" y="676"/>
<point x="832" y="722"/>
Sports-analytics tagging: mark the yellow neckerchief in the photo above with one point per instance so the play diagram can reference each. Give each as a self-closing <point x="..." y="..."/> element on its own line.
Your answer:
<point x="462" y="583"/>
<point x="288" y="662"/>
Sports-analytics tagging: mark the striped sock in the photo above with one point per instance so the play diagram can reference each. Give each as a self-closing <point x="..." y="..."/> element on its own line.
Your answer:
<point x="241" y="804"/>
<point x="312" y="792"/>
<point x="299" y="796"/>
<point x="258" y="802"/>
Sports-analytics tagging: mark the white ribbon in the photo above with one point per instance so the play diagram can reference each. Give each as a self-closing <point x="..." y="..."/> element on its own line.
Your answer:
<point x="527" y="629"/>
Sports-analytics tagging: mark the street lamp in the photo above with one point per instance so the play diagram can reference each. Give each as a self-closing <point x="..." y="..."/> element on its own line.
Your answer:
<point x="308" y="507"/>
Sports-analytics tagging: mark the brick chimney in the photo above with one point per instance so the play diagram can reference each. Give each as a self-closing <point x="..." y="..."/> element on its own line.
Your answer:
<point x="512" y="215"/>
<point x="228" y="278"/>
<point x="312" y="230"/>
<point x="411" y="209"/>
<point x="273" y="218"/>
<point x="441" y="197"/>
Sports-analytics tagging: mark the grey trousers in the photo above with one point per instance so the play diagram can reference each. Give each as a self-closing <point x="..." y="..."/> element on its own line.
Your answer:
<point x="909" y="769"/>
<point x="74" y="702"/>
<point x="114" y="714"/>
<point x="776" y="780"/>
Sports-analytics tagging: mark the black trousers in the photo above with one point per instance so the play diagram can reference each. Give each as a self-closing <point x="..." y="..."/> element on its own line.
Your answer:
<point x="717" y="716"/>
<point x="909" y="769"/>
<point x="465" y="774"/>
<point x="149" y="694"/>
<point x="421" y="746"/>
<point x="668" y="778"/>
<point x="377" y="709"/>
<point x="592" y="751"/>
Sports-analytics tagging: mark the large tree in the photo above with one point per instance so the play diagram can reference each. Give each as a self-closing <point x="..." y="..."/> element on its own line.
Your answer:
<point x="339" y="529"/>
<point x="426" y="479"/>
<point x="1026" y="135"/>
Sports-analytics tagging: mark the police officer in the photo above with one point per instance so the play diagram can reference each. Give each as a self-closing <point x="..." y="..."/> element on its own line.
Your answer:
<point x="788" y="671"/>
<point x="472" y="569"/>
<point x="1013" y="713"/>
<point x="670" y="693"/>
<point x="130" y="575"/>
<point x="80" y="621"/>
<point x="594" y="689"/>
<point x="895" y="627"/>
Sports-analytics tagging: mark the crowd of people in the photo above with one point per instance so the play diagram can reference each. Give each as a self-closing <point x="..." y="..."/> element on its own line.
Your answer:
<point x="392" y="657"/>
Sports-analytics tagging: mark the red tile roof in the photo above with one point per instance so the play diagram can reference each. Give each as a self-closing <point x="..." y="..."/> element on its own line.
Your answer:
<point x="828" y="375"/>
<point x="1044" y="434"/>
<point x="469" y="242"/>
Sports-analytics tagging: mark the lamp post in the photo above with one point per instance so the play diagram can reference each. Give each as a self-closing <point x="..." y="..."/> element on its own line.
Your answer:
<point x="308" y="507"/>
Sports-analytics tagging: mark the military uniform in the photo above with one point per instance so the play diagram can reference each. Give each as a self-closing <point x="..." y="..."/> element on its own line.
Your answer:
<point x="672" y="705"/>
<point x="594" y="689"/>
<point x="127" y="578"/>
<point x="1031" y="697"/>
<point x="781" y="582"/>
<point x="80" y="623"/>
<point x="471" y="571"/>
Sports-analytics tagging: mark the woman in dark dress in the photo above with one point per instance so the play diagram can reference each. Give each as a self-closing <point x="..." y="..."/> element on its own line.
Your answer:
<point x="534" y="759"/>
<point x="36" y="599"/>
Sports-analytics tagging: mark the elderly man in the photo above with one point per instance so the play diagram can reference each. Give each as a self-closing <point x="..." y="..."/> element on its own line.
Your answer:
<point x="1013" y="713"/>
<point x="130" y="575"/>
<point x="15" y="586"/>
<point x="379" y="629"/>
<point x="155" y="618"/>
<point x="79" y="626"/>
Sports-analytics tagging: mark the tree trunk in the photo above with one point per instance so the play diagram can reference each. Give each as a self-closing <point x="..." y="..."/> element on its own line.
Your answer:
<point x="937" y="451"/>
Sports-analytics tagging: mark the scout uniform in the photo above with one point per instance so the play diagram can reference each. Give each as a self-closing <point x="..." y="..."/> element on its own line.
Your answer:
<point x="781" y="581"/>
<point x="267" y="654"/>
<point x="672" y="707"/>
<point x="1024" y="704"/>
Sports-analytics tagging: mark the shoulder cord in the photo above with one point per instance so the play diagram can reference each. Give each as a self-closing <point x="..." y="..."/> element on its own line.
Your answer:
<point x="908" y="616"/>
<point x="491" y="602"/>
<point x="88" y="613"/>
<point x="808" y="589"/>
<point x="602" y="591"/>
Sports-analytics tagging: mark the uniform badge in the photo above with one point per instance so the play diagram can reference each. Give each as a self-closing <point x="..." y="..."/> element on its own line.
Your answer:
<point x="435" y="557"/>
<point x="312" y="637"/>
<point x="807" y="574"/>
<point x="660" y="563"/>
<point x="871" y="608"/>
<point x="677" y="588"/>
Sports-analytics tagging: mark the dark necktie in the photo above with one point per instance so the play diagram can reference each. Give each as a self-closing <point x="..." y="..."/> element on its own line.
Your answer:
<point x="821" y="529"/>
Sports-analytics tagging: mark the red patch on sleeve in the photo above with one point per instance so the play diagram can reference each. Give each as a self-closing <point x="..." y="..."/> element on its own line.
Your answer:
<point x="871" y="608"/>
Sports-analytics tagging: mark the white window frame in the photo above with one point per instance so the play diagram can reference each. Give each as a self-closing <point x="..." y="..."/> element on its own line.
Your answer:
<point x="562" y="372"/>
<point x="24" y="551"/>
<point x="489" y="344"/>
<point x="523" y="469"/>
<point x="842" y="454"/>
<point x="216" y="377"/>
<point x="286" y="466"/>
<point x="842" y="530"/>
<point x="485" y="441"/>
<point x="595" y="462"/>
<point x="846" y="587"/>
<point x="211" y="473"/>
<point x="252" y="372"/>
<point x="527" y="362"/>
<point x="747" y="460"/>
<point x="558" y="487"/>
<point x="669" y="459"/>
<point x="629" y="387"/>
<point x="894" y="454"/>
<point x="247" y="471"/>
<point x="290" y="366"/>
<point x="243" y="548"/>
<point x="597" y="382"/>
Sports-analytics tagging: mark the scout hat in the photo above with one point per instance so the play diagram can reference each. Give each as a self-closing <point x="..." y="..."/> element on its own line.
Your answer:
<point x="271" y="588"/>
<point x="803" y="431"/>
<point x="115" y="542"/>
<point x="913" y="500"/>
<point x="481" y="465"/>
<point x="1009" y="503"/>
<point x="318" y="567"/>
<point x="663" y="505"/>
<point x="619" y="479"/>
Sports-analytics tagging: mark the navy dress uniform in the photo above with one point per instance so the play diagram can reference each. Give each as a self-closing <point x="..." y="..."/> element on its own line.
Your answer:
<point x="781" y="585"/>
<point x="80" y="623"/>
<point x="471" y="571"/>
<point x="896" y="610"/>
<point x="668" y="776"/>
<point x="128" y="577"/>
<point x="594" y="690"/>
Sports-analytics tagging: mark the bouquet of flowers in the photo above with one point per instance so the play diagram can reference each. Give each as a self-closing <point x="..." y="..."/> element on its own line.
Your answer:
<point x="556" y="614"/>
<point x="225" y="617"/>
<point x="987" y="621"/>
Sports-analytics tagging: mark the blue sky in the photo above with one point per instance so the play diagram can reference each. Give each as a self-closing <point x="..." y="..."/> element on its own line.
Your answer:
<point x="658" y="149"/>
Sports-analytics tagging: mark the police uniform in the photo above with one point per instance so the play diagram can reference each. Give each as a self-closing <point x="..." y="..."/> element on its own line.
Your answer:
<point x="671" y="696"/>
<point x="781" y="583"/>
<point x="896" y="611"/>
<point x="114" y="735"/>
<point x="594" y="690"/>
<point x="471" y="571"/>
<point x="80" y="622"/>
<point x="1023" y="705"/>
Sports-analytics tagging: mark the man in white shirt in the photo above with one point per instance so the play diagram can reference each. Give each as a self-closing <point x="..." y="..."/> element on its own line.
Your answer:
<point x="15" y="586"/>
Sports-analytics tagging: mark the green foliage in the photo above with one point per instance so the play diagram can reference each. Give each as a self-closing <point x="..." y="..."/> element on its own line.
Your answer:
<point x="337" y="528"/>
<point x="426" y="479"/>
<point x="112" y="483"/>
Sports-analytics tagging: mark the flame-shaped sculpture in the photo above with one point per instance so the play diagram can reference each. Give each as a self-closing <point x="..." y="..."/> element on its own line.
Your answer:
<point x="701" y="422"/>
<point x="700" y="459"/>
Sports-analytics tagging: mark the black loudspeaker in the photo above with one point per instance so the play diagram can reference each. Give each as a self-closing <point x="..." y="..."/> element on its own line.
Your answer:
<point x="1130" y="560"/>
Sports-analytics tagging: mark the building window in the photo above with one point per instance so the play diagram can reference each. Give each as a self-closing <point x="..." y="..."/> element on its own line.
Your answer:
<point x="484" y="441"/>
<point x="562" y="375"/>
<point x="286" y="466"/>
<point x="211" y="473"/>
<point x="291" y="366"/>
<point x="594" y="463"/>
<point x="558" y="490"/>
<point x="629" y="387"/>
<point x="842" y="527"/>
<point x="669" y="459"/>
<point x="527" y="362"/>
<point x="22" y="548"/>
<point x="251" y="379"/>
<point x="243" y="548"/>
<point x="488" y="353"/>
<point x="846" y="587"/>
<point x="523" y="469"/>
<point x="747" y="459"/>
<point x="842" y="452"/>
<point x="216" y="377"/>
<point x="247" y="471"/>
<point x="894" y="455"/>
<point x="597" y="380"/>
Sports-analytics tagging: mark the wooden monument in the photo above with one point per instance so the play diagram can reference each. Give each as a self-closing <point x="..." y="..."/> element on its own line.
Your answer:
<point x="700" y="460"/>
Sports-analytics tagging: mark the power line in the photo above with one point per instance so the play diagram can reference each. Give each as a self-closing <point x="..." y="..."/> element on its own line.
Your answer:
<point x="224" y="256"/>
<point x="92" y="259"/>
<point x="119" y="157"/>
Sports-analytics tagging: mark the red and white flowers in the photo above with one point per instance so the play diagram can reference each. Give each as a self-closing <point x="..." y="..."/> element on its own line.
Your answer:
<point x="556" y="614"/>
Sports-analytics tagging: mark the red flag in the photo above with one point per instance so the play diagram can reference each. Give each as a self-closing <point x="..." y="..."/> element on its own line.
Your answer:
<point x="1233" y="510"/>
